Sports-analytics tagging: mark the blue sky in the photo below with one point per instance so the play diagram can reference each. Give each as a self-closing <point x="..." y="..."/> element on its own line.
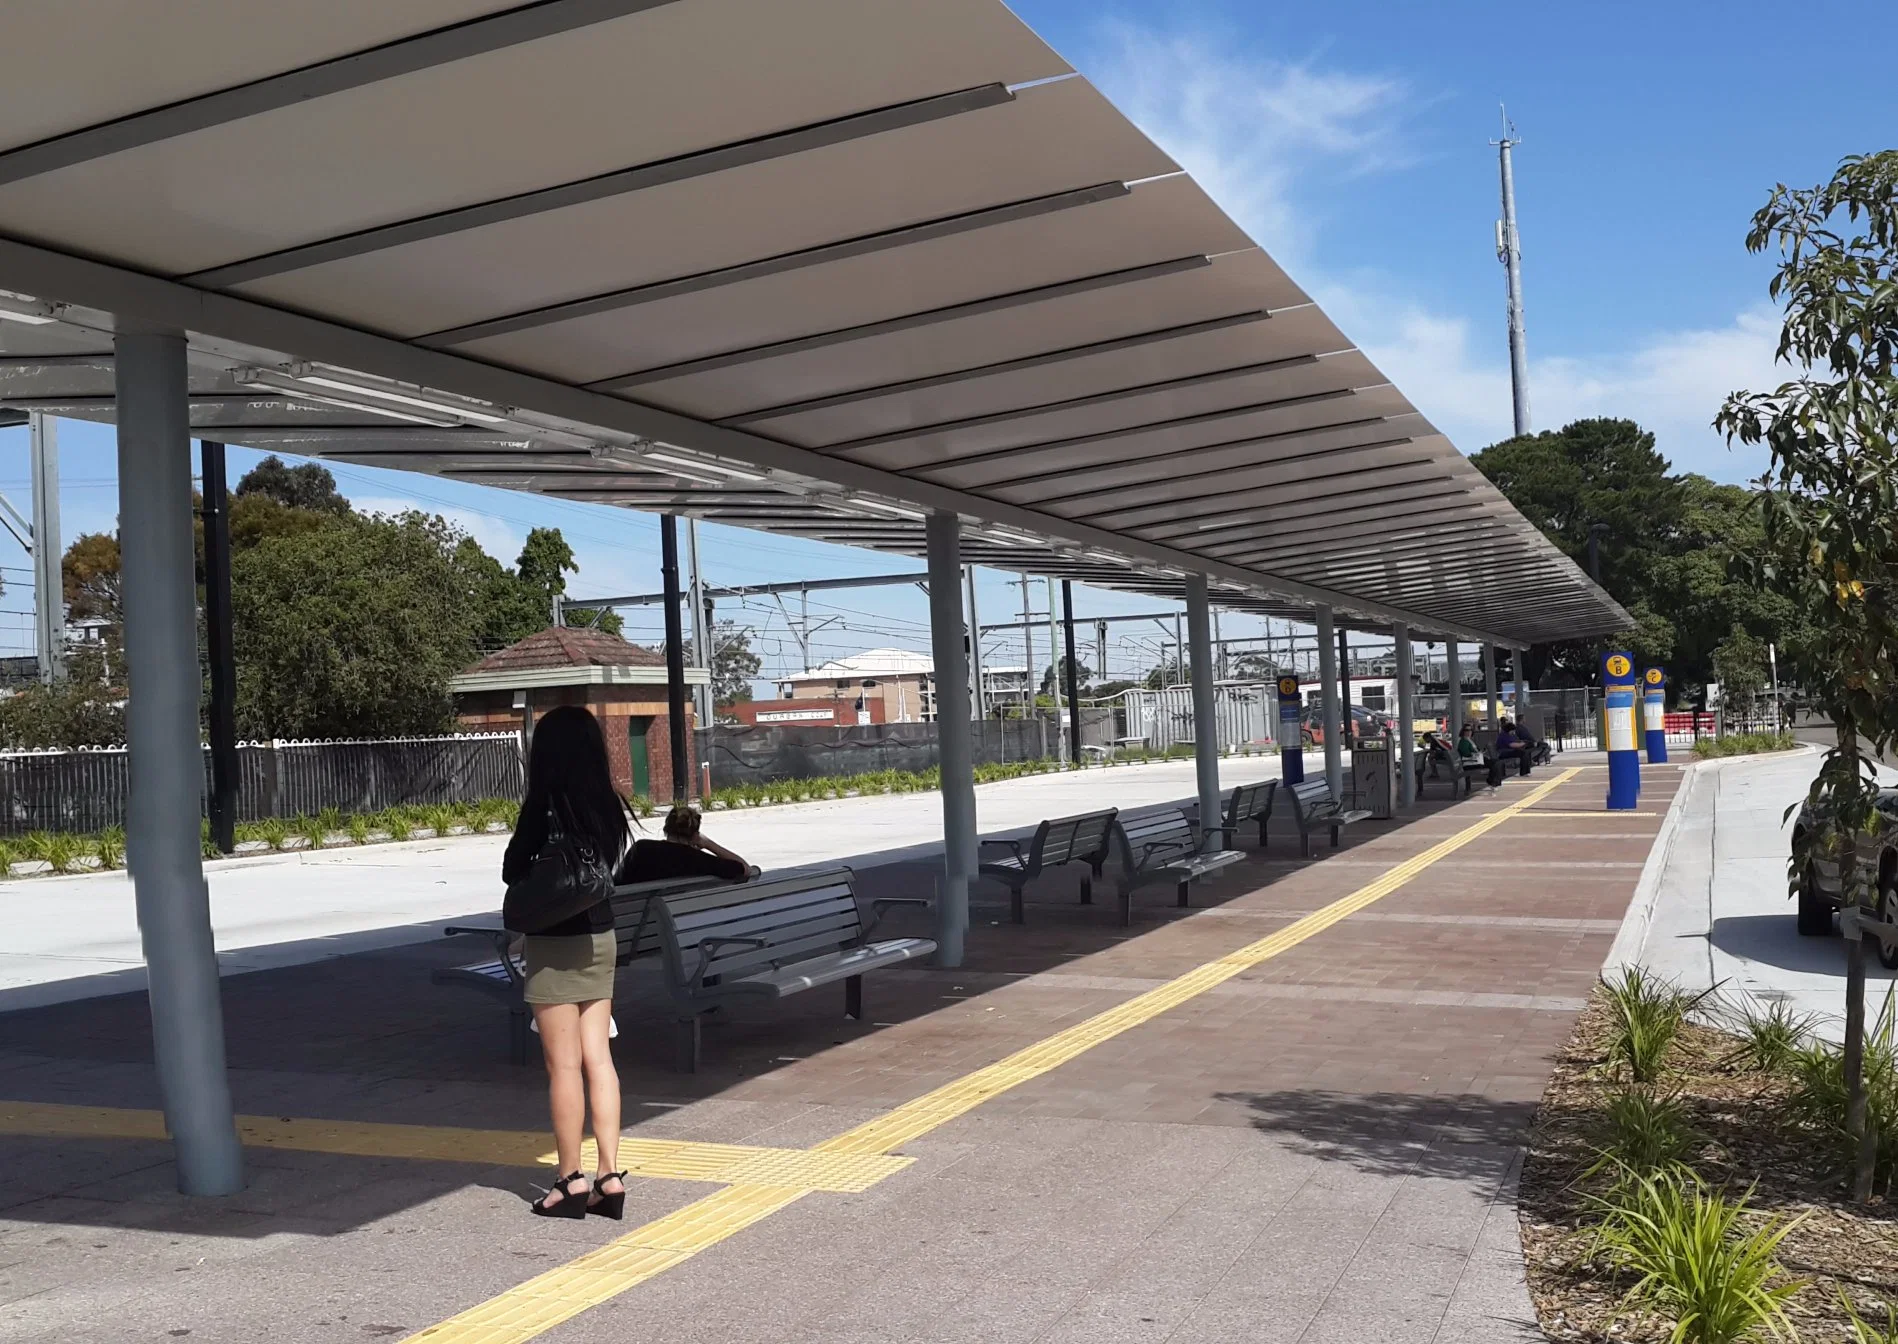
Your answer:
<point x="1351" y="140"/>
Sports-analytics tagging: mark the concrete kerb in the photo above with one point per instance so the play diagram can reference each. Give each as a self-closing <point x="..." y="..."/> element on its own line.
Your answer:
<point x="1633" y="934"/>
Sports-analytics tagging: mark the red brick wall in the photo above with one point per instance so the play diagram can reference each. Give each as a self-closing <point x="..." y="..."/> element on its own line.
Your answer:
<point x="493" y="711"/>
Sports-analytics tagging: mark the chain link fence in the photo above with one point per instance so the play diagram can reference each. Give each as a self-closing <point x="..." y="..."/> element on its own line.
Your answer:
<point x="86" y="791"/>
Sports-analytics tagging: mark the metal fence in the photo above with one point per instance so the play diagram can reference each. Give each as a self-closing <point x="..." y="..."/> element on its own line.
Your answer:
<point x="768" y="752"/>
<point x="1163" y="719"/>
<point x="85" y="791"/>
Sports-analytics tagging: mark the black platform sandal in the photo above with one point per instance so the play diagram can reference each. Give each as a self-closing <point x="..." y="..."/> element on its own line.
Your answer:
<point x="608" y="1206"/>
<point x="571" y="1204"/>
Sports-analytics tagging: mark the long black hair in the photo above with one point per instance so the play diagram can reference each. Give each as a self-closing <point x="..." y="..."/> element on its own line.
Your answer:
<point x="568" y="774"/>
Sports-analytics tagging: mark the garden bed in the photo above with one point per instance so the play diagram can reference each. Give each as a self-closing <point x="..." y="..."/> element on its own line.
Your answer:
<point x="1747" y="1133"/>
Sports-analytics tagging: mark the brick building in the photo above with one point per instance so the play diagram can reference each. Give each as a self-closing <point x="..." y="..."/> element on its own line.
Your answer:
<point x="623" y="684"/>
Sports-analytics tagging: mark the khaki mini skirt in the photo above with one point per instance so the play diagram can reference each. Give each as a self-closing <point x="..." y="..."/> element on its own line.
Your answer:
<point x="569" y="969"/>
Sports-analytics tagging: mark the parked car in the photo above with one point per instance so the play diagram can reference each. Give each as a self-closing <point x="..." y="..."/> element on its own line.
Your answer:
<point x="1819" y="892"/>
<point x="1364" y="723"/>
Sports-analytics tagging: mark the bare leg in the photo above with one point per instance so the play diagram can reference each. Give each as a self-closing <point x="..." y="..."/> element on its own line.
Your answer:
<point x="559" y="1025"/>
<point x="602" y="1087"/>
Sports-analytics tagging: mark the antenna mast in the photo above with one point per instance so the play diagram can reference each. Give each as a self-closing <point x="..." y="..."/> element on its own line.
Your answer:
<point x="1509" y="252"/>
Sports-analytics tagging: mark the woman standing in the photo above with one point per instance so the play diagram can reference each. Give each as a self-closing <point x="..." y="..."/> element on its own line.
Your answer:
<point x="570" y="965"/>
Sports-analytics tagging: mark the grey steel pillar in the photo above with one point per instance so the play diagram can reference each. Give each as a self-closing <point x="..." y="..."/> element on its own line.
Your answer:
<point x="1453" y="666"/>
<point x="701" y="627"/>
<point x="1518" y="657"/>
<point x="1055" y="684"/>
<point x="676" y="731"/>
<point x="1328" y="684"/>
<point x="49" y="583"/>
<point x="220" y="652"/>
<point x="978" y="689"/>
<point x="944" y="532"/>
<point x="167" y="773"/>
<point x="1406" y="716"/>
<point x="1489" y="687"/>
<point x="1199" y="632"/>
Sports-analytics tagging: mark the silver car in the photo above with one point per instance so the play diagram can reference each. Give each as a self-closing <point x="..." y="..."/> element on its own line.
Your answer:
<point x="1818" y="890"/>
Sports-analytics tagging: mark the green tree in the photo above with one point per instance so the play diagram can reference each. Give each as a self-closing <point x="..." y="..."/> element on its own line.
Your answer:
<point x="307" y="486"/>
<point x="84" y="709"/>
<point x="1830" y="513"/>
<point x="734" y="665"/>
<point x="544" y="563"/>
<point x="353" y="630"/>
<point x="1082" y="673"/>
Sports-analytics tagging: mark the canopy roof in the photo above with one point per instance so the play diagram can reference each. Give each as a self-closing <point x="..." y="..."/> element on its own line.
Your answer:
<point x="813" y="268"/>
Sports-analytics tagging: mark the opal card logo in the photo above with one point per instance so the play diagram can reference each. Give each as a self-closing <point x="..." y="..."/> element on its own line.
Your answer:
<point x="1288" y="685"/>
<point x="1618" y="665"/>
<point x="1654" y="674"/>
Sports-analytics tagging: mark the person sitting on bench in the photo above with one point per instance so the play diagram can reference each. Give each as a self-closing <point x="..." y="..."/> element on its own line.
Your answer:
<point x="1435" y="753"/>
<point x="1510" y="744"/>
<point x="685" y="852"/>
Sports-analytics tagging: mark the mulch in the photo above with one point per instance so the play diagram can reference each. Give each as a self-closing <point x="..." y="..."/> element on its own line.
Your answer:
<point x="1740" y="1114"/>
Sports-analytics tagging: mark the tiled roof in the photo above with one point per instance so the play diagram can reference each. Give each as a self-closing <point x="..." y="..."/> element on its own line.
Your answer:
<point x="568" y="646"/>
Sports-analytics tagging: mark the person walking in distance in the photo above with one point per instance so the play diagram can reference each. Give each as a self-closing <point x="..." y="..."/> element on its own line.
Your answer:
<point x="569" y="965"/>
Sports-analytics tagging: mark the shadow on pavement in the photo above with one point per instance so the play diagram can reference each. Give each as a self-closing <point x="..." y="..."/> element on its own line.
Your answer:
<point x="367" y="1037"/>
<point x="1454" y="1137"/>
<point x="1773" y="940"/>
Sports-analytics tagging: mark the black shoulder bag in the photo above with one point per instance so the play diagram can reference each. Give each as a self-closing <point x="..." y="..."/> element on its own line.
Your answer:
<point x="569" y="877"/>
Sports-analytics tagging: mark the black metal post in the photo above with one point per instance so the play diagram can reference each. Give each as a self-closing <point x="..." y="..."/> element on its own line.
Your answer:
<point x="1073" y="672"/>
<point x="219" y="646"/>
<point x="1345" y="722"/>
<point x="675" y="659"/>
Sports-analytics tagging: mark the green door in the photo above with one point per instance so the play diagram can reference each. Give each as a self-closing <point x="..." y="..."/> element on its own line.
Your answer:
<point x="636" y="753"/>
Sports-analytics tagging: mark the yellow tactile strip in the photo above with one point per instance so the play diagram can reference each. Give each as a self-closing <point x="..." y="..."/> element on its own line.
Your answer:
<point x="661" y="1159"/>
<point x="541" y="1303"/>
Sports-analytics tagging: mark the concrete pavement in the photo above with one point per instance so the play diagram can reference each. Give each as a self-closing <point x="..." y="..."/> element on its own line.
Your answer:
<point x="1291" y="1113"/>
<point x="1722" y="913"/>
<point x="73" y="937"/>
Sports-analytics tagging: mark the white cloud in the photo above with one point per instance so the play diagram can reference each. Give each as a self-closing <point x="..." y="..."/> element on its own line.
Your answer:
<point x="1261" y="134"/>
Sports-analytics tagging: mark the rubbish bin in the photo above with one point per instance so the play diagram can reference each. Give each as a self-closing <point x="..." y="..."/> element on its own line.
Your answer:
<point x="1374" y="776"/>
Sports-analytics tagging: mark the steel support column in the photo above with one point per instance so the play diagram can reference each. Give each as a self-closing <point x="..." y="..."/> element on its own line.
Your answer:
<point x="944" y="537"/>
<point x="1199" y="633"/>
<point x="1073" y="673"/>
<point x="1406" y="716"/>
<point x="49" y="584"/>
<point x="1489" y="687"/>
<point x="1344" y="684"/>
<point x="1055" y="682"/>
<point x="676" y="730"/>
<point x="221" y="722"/>
<point x="1328" y="686"/>
<point x="167" y="776"/>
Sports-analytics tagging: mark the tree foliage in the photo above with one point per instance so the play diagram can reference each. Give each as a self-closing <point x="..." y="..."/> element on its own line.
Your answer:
<point x="308" y="485"/>
<point x="84" y="709"/>
<point x="352" y="630"/>
<point x="1668" y="545"/>
<point x="734" y="665"/>
<point x="1830" y="507"/>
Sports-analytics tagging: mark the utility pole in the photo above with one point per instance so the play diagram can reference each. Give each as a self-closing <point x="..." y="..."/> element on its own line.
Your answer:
<point x="49" y="586"/>
<point x="978" y="694"/>
<point x="1100" y="650"/>
<point x="1509" y="252"/>
<point x="1028" y="642"/>
<point x="1054" y="677"/>
<point x="701" y="628"/>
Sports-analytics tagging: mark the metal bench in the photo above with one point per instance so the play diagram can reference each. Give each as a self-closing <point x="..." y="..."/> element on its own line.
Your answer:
<point x="776" y="939"/>
<point x="1450" y="769"/>
<point x="503" y="976"/>
<point x="1159" y="847"/>
<point x="1081" y="839"/>
<point x="1315" y="808"/>
<point x="1250" y="802"/>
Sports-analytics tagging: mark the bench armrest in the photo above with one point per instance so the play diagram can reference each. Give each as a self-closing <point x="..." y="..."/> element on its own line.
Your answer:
<point x="710" y="947"/>
<point x="883" y="904"/>
<point x="1012" y="844"/>
<point x="503" y="940"/>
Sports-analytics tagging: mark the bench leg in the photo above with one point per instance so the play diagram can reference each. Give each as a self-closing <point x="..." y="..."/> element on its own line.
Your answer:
<point x="689" y="1044"/>
<point x="853" y="998"/>
<point x="1334" y="837"/>
<point x="1087" y="889"/>
<point x="1180" y="899"/>
<point x="1126" y="907"/>
<point x="517" y="1035"/>
<point x="1015" y="905"/>
<point x="1304" y="844"/>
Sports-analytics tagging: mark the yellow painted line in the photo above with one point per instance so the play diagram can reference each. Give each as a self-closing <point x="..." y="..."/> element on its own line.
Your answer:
<point x="1604" y="816"/>
<point x="660" y="1159"/>
<point x="599" y="1276"/>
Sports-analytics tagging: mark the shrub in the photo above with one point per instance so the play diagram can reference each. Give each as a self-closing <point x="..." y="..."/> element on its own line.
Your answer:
<point x="1743" y="744"/>
<point x="1648" y="1012"/>
<point x="1695" y="1259"/>
<point x="395" y="821"/>
<point x="36" y="846"/>
<point x="332" y="819"/>
<point x="110" y="847"/>
<point x="63" y="851"/>
<point x="1867" y="1332"/>
<point x="1642" y="1132"/>
<point x="313" y="831"/>
<point x="8" y="857"/>
<point x="1819" y="1095"/>
<point x="273" y="832"/>
<point x="1770" y="1035"/>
